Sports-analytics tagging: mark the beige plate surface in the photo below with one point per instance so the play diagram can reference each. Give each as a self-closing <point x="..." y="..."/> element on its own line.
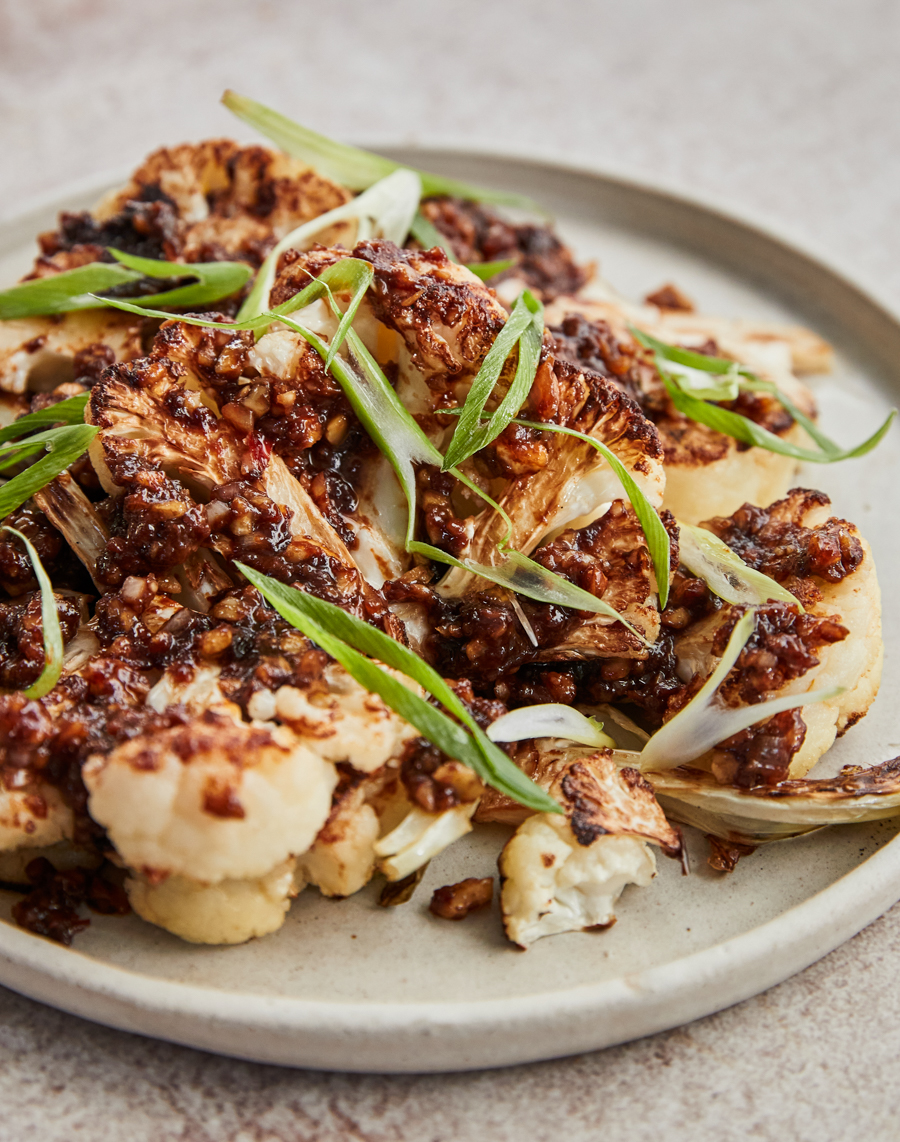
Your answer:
<point x="352" y="986"/>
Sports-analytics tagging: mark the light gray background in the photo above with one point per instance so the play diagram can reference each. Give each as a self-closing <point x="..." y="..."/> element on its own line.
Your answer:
<point x="787" y="108"/>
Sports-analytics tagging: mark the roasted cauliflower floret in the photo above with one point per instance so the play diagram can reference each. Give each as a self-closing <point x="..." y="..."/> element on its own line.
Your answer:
<point x="33" y="818"/>
<point x="201" y="202"/>
<point x="188" y="480"/>
<point x="39" y="353"/>
<point x="564" y="873"/>
<point x="343" y="858"/>
<point x="228" y="912"/>
<point x="707" y="473"/>
<point x="212" y="800"/>
<point x="552" y="885"/>
<point x="478" y="233"/>
<point x="341" y="723"/>
<point x="446" y="318"/>
<point x="837" y="642"/>
<point x="149" y="416"/>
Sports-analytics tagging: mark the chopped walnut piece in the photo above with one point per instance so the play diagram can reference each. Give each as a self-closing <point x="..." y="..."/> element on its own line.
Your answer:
<point x="670" y="297"/>
<point x="456" y="901"/>
<point x="724" y="855"/>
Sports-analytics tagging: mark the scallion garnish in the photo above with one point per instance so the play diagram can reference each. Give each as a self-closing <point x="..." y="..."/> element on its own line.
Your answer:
<point x="692" y="398"/>
<point x="652" y="526"/>
<point x="403" y="442"/>
<point x="348" y="275"/>
<point x="349" y="641"/>
<point x="386" y="210"/>
<point x="68" y="411"/>
<point x="64" y="446"/>
<point x="525" y="329"/>
<point x="215" y="280"/>
<point x="350" y="166"/>
<point x="54" y="649"/>
<point x="488" y="270"/>
<point x="701" y="724"/>
<point x="549" y="720"/>
<point x="724" y="572"/>
<point x="80" y="288"/>
<point x="428" y="236"/>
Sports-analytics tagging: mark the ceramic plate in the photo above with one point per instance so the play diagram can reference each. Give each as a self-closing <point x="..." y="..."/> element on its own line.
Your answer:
<point x="352" y="986"/>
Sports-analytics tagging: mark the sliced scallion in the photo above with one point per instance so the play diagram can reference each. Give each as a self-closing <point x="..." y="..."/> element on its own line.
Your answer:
<point x="349" y="641"/>
<point x="64" y="446"/>
<point x="488" y="270"/>
<point x="350" y="275"/>
<point x="550" y="720"/>
<point x="54" y="650"/>
<point x="350" y="166"/>
<point x="428" y="236"/>
<point x="724" y="572"/>
<point x="692" y="400"/>
<point x="524" y="329"/>
<point x="215" y="280"/>
<point x="68" y="411"/>
<point x="80" y="288"/>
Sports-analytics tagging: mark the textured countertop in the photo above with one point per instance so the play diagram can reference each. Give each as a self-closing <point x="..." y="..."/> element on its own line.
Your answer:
<point x="786" y="109"/>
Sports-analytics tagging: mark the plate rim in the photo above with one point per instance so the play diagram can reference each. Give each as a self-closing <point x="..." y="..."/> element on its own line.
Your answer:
<point x="391" y="1037"/>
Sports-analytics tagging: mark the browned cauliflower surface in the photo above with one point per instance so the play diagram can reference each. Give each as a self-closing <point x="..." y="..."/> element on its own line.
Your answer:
<point x="203" y="758"/>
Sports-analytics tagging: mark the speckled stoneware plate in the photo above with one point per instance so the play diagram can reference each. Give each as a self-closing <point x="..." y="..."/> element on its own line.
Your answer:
<point x="351" y="986"/>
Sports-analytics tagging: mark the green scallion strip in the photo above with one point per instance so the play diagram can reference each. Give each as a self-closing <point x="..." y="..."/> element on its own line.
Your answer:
<point x="524" y="329"/>
<point x="13" y="452"/>
<point x="724" y="572"/>
<point x="428" y="236"/>
<point x="54" y="650"/>
<point x="400" y="439"/>
<point x="215" y="280"/>
<point x="349" y="640"/>
<point x="350" y="166"/>
<point x="65" y="447"/>
<point x="652" y="526"/>
<point x="68" y="411"/>
<point x="348" y="275"/>
<point x="693" y="403"/>
<point x="80" y="288"/>
<point x="488" y="270"/>
<point x="741" y="428"/>
<point x="64" y="292"/>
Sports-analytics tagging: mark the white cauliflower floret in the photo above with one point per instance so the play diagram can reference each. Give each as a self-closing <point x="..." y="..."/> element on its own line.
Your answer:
<point x="212" y="800"/>
<point x="708" y="473"/>
<point x="229" y="912"/>
<point x="33" y="818"/>
<point x="565" y="872"/>
<point x="343" y="858"/>
<point x="850" y="664"/>
<point x="347" y="723"/>
<point x="342" y="861"/>
<point x="199" y="691"/>
<point x="37" y="353"/>
<point x="552" y="884"/>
